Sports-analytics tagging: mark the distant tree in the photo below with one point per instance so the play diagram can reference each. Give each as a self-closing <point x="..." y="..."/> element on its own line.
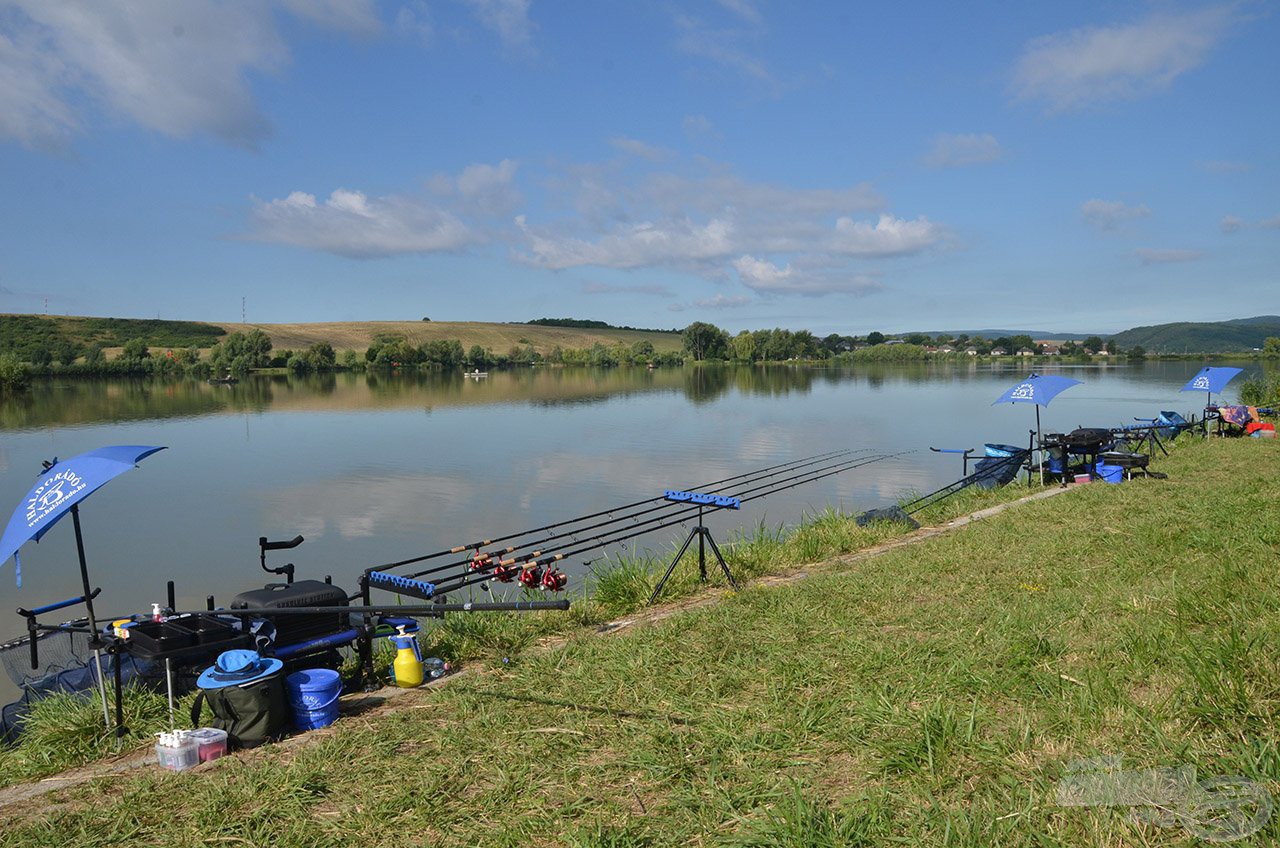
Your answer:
<point x="1093" y="343"/>
<point x="350" y="359"/>
<point x="875" y="338"/>
<point x="1271" y="346"/>
<point x="742" y="347"/>
<point x="135" y="350"/>
<point x="425" y="318"/>
<point x="642" y="350"/>
<point x="1137" y="352"/>
<point x="66" y="352"/>
<point x="705" y="341"/>
<point x="916" y="338"/>
<point x="93" y="355"/>
<point x="13" y="374"/>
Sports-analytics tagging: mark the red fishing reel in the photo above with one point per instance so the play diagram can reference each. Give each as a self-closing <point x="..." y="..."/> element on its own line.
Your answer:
<point x="531" y="577"/>
<point x="480" y="562"/>
<point x="554" y="580"/>
<point x="506" y="573"/>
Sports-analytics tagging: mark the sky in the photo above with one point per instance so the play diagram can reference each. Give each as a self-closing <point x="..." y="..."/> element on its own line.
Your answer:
<point x="837" y="167"/>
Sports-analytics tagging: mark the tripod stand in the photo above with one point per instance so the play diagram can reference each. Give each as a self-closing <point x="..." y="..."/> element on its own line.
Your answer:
<point x="703" y="535"/>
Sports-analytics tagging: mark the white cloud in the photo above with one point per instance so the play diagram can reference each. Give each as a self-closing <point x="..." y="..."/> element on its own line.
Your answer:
<point x="715" y="224"/>
<point x="489" y="189"/>
<point x="889" y="236"/>
<point x="763" y="276"/>
<point x="699" y="126"/>
<point x="1111" y="214"/>
<point x="952" y="151"/>
<point x="724" y="47"/>
<point x="722" y="301"/>
<point x="180" y="69"/>
<point x="743" y="9"/>
<point x="1154" y="256"/>
<point x="357" y="17"/>
<point x="654" y="289"/>
<point x="671" y="242"/>
<point x="1231" y="224"/>
<point x="509" y="19"/>
<point x="176" y="68"/>
<point x="638" y="148"/>
<point x="351" y="224"/>
<point x="1076" y="69"/>
<point x="413" y="22"/>
<point x="31" y="109"/>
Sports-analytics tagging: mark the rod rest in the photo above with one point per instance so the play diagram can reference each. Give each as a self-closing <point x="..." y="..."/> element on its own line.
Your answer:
<point x="403" y="585"/>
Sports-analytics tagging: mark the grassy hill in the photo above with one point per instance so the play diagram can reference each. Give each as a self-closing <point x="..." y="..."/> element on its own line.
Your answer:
<point x="22" y="334"/>
<point x="499" y="338"/>
<point x="1240" y="334"/>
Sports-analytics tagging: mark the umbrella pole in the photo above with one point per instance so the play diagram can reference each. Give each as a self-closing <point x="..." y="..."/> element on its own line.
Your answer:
<point x="168" y="681"/>
<point x="1040" y="450"/>
<point x="96" y="639"/>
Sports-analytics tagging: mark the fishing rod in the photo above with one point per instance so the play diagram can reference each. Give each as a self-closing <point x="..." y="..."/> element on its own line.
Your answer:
<point x="390" y="609"/>
<point x="529" y="571"/>
<point x="477" y="545"/>
<point x="968" y="480"/>
<point x="479" y="560"/>
<point x="661" y="521"/>
<point x="612" y="539"/>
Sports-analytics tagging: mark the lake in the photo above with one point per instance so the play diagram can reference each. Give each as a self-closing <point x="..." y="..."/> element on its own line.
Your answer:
<point x="372" y="468"/>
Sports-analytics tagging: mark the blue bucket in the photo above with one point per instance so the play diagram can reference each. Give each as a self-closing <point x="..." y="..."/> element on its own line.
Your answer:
<point x="313" y="695"/>
<point x="1109" y="473"/>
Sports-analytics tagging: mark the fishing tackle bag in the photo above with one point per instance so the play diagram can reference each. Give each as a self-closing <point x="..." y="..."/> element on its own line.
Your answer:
<point x="252" y="713"/>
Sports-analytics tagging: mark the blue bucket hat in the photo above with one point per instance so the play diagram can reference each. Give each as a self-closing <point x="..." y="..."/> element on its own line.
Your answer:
<point x="236" y="668"/>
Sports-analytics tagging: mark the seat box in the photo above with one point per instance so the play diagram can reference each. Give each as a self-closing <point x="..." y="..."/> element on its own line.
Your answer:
<point x="291" y="629"/>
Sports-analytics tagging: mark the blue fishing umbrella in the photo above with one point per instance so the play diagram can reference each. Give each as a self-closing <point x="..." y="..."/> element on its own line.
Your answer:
<point x="59" y="489"/>
<point x="1211" y="379"/>
<point x="1038" y="389"/>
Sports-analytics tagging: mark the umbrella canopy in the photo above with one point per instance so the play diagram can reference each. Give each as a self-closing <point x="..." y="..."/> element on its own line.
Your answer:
<point x="1211" y="379"/>
<point x="60" y="488"/>
<point x="1038" y="389"/>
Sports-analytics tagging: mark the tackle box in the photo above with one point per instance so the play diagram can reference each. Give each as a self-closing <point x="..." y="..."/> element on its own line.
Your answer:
<point x="292" y="629"/>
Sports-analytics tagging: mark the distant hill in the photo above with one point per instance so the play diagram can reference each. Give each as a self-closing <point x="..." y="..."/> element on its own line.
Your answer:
<point x="995" y="334"/>
<point x="25" y="334"/>
<point x="1239" y="334"/>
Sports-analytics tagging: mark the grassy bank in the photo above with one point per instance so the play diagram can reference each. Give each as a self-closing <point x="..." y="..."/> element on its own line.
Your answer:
<point x="932" y="695"/>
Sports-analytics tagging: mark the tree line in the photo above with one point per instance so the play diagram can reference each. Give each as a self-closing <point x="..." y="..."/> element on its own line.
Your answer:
<point x="703" y="341"/>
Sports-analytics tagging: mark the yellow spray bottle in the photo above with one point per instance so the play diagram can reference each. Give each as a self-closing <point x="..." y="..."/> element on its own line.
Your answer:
<point x="407" y="667"/>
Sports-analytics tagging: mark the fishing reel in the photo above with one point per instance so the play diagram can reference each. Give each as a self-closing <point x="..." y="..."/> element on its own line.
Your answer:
<point x="531" y="578"/>
<point x="480" y="562"/>
<point x="505" y="573"/>
<point x="554" y="580"/>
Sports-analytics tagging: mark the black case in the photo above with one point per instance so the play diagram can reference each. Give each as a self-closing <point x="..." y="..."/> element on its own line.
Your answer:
<point x="292" y="629"/>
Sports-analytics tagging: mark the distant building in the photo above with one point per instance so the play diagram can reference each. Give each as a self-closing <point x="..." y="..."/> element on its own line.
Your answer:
<point x="894" y="341"/>
<point x="972" y="351"/>
<point x="999" y="351"/>
<point x="1049" y="348"/>
<point x="1026" y="351"/>
<point x="946" y="349"/>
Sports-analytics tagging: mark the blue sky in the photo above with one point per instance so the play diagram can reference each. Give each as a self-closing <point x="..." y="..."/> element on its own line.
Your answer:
<point x="832" y="166"/>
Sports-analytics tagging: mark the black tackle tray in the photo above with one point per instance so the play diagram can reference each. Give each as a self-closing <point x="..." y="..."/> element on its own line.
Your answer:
<point x="159" y="637"/>
<point x="190" y="637"/>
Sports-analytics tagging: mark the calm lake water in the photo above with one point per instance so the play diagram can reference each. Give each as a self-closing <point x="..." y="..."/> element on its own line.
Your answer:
<point x="373" y="468"/>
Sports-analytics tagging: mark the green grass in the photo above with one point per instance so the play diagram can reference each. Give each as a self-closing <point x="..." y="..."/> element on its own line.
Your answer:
<point x="933" y="695"/>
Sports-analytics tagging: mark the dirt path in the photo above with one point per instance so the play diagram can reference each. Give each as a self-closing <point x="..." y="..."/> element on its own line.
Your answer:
<point x="370" y="705"/>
